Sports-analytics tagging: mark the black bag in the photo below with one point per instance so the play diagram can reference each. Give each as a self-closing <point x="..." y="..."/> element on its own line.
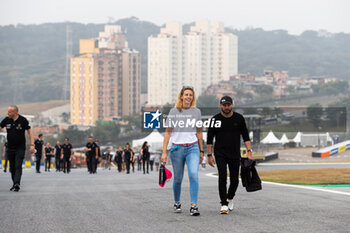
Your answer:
<point x="250" y="177"/>
<point x="162" y="175"/>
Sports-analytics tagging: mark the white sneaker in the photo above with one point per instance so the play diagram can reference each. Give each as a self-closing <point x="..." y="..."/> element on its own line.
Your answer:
<point x="230" y="204"/>
<point x="224" y="209"/>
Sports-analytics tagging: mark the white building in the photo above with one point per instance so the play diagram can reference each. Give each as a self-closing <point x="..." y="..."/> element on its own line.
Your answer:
<point x="112" y="38"/>
<point x="203" y="56"/>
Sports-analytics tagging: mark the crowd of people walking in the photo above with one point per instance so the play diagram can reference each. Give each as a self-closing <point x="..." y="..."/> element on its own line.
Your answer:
<point x="186" y="148"/>
<point x="60" y="157"/>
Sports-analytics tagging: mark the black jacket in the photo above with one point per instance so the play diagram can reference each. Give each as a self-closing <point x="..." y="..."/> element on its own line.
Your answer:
<point x="250" y="178"/>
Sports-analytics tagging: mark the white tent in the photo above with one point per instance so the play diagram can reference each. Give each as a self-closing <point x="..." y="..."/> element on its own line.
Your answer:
<point x="251" y="135"/>
<point x="154" y="139"/>
<point x="284" y="139"/>
<point x="270" y="139"/>
<point x="329" y="139"/>
<point x="297" y="138"/>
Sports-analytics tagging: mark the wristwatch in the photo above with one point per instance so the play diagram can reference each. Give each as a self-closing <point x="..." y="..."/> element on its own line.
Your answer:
<point x="209" y="155"/>
<point x="201" y="151"/>
<point x="250" y="150"/>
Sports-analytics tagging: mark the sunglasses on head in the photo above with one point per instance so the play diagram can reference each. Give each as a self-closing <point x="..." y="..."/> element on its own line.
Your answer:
<point x="187" y="87"/>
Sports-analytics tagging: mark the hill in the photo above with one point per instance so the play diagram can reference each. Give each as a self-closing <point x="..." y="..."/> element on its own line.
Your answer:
<point x="32" y="58"/>
<point x="34" y="108"/>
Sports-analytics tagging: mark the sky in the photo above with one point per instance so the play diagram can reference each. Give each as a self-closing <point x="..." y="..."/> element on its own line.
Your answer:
<point x="295" y="16"/>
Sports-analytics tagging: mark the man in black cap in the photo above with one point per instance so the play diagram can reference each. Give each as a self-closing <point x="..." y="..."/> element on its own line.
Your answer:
<point x="16" y="125"/>
<point x="227" y="149"/>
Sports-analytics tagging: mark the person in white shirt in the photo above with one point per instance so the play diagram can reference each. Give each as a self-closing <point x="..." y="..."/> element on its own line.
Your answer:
<point x="187" y="145"/>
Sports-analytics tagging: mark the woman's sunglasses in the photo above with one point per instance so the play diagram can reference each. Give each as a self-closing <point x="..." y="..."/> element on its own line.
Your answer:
<point x="187" y="87"/>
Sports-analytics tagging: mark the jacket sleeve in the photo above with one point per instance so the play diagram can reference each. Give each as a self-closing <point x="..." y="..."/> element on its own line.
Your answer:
<point x="210" y="135"/>
<point x="244" y="131"/>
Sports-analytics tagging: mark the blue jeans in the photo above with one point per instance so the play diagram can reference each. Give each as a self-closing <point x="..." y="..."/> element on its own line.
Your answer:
<point x="190" y="155"/>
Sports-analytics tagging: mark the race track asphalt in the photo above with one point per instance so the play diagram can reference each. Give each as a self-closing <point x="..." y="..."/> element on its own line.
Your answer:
<point x="112" y="202"/>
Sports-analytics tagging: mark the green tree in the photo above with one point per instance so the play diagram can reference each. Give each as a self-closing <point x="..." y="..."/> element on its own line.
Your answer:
<point x="277" y="112"/>
<point x="105" y="131"/>
<point x="314" y="113"/>
<point x="207" y="101"/>
<point x="266" y="111"/>
<point x="264" y="90"/>
<point x="76" y="136"/>
<point x="290" y="89"/>
<point x="65" y="117"/>
<point x="248" y="111"/>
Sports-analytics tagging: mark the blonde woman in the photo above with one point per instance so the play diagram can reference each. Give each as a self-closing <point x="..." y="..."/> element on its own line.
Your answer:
<point x="186" y="145"/>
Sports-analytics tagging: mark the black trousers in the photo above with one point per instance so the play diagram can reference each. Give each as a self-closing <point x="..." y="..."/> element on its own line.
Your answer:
<point x="127" y="164"/>
<point x="16" y="157"/>
<point x="88" y="163"/>
<point x="6" y="160"/>
<point x="66" y="163"/>
<point x="145" y="161"/>
<point x="94" y="163"/>
<point x="38" y="162"/>
<point x="119" y="164"/>
<point x="48" y="162"/>
<point x="57" y="162"/>
<point x="139" y="165"/>
<point x="61" y="164"/>
<point x="133" y="166"/>
<point x="233" y="165"/>
<point x="151" y="162"/>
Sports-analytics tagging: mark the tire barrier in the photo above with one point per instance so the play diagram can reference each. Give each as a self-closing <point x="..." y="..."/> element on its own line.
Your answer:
<point x="25" y="165"/>
<point x="332" y="150"/>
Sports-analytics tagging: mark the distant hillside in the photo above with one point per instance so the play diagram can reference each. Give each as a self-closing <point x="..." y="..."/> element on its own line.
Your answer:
<point x="34" y="108"/>
<point x="32" y="57"/>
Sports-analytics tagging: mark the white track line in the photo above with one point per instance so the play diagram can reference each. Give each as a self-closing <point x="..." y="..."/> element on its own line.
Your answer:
<point x="307" y="187"/>
<point x="303" y="164"/>
<point x="296" y="186"/>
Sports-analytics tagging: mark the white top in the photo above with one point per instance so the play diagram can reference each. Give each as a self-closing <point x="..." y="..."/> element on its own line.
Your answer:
<point x="183" y="124"/>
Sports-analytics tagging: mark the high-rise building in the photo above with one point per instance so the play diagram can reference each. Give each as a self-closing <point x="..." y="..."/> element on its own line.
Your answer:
<point x="165" y="63"/>
<point x="83" y="84"/>
<point x="199" y="58"/>
<point x="105" y="78"/>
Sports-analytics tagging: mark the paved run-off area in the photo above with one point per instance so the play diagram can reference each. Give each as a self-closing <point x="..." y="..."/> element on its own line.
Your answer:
<point x="112" y="202"/>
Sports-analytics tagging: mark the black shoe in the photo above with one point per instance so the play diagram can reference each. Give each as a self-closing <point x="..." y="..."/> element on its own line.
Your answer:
<point x="64" y="171"/>
<point x="177" y="207"/>
<point x="5" y="171"/>
<point x="12" y="188"/>
<point x="16" y="188"/>
<point x="38" y="172"/>
<point x="194" y="211"/>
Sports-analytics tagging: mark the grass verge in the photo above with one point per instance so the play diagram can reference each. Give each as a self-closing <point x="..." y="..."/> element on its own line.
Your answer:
<point x="319" y="176"/>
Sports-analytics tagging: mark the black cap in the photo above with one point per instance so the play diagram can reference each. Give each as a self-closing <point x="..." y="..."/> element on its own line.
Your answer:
<point x="226" y="100"/>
